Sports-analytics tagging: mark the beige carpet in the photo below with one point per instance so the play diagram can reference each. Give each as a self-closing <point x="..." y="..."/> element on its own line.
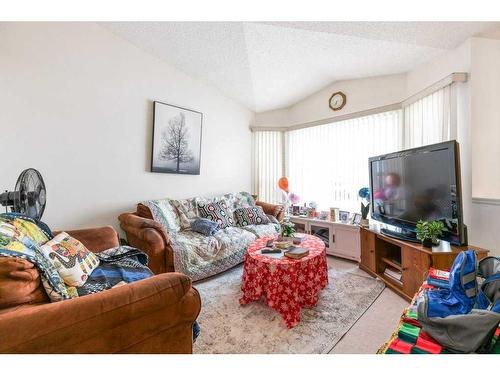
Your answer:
<point x="227" y="327"/>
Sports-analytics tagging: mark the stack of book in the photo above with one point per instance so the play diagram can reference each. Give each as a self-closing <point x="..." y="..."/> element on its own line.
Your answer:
<point x="393" y="273"/>
<point x="296" y="252"/>
<point x="438" y="278"/>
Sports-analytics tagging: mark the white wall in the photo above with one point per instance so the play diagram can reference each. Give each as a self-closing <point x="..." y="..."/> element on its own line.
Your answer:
<point x="362" y="94"/>
<point x="485" y="117"/>
<point x="275" y="118"/>
<point x="452" y="61"/>
<point x="485" y="142"/>
<point x="76" y="103"/>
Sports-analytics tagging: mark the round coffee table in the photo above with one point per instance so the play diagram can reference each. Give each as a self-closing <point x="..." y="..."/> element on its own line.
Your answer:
<point x="286" y="284"/>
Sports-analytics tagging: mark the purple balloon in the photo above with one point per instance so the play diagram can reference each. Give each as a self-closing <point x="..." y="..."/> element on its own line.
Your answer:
<point x="294" y="198"/>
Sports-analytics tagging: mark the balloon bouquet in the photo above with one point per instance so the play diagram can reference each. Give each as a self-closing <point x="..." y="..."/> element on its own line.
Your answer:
<point x="287" y="227"/>
<point x="288" y="197"/>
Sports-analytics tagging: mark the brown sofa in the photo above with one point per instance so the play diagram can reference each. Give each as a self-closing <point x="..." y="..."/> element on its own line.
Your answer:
<point x="154" y="315"/>
<point x="148" y="235"/>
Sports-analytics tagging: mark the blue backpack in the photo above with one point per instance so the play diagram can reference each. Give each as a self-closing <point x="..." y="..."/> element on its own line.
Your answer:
<point x="464" y="316"/>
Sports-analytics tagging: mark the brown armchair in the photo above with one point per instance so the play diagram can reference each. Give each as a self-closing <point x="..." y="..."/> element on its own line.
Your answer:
<point x="148" y="235"/>
<point x="154" y="315"/>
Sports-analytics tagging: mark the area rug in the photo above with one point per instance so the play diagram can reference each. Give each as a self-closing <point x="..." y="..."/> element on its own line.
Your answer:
<point x="227" y="327"/>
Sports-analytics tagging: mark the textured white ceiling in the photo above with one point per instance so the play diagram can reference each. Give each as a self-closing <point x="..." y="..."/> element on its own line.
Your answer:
<point x="273" y="65"/>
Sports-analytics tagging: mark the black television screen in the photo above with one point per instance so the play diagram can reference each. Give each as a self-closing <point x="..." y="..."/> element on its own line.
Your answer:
<point x="418" y="184"/>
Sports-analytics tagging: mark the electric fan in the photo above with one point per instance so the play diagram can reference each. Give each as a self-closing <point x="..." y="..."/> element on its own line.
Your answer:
<point x="29" y="195"/>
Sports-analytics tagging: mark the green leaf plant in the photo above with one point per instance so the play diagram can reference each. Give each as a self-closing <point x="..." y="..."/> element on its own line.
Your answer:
<point x="429" y="231"/>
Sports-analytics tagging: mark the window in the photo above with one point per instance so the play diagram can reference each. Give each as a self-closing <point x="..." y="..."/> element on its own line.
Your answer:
<point x="267" y="165"/>
<point x="428" y="120"/>
<point x="328" y="163"/>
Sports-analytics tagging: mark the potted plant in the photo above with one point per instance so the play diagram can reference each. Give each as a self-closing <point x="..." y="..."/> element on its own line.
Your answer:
<point x="364" y="194"/>
<point x="428" y="232"/>
<point x="287" y="230"/>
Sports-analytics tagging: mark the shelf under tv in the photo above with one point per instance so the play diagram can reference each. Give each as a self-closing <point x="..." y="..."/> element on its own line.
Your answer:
<point x="379" y="251"/>
<point x="390" y="280"/>
<point x="392" y="263"/>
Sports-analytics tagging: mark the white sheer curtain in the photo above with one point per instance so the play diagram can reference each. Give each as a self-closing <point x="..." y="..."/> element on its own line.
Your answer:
<point x="428" y="120"/>
<point x="328" y="164"/>
<point x="267" y="164"/>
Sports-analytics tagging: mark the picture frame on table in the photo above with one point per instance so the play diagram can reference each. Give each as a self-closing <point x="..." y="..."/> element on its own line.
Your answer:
<point x="344" y="216"/>
<point x="356" y="219"/>
<point x="334" y="213"/>
<point x="323" y="215"/>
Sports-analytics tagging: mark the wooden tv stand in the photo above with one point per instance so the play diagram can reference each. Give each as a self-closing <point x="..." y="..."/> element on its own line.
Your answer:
<point x="379" y="251"/>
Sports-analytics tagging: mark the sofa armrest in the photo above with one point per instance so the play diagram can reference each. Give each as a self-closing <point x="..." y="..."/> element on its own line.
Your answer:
<point x="153" y="315"/>
<point x="95" y="239"/>
<point x="149" y="236"/>
<point x="276" y="210"/>
<point x="139" y="227"/>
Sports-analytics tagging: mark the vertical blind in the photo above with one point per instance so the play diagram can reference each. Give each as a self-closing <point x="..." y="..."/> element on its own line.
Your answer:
<point x="267" y="164"/>
<point x="427" y="120"/>
<point x="328" y="163"/>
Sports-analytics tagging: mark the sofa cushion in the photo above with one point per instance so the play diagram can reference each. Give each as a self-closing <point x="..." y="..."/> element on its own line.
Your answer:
<point x="234" y="239"/>
<point x="250" y="215"/>
<point x="178" y="214"/>
<point x="265" y="230"/>
<point x="272" y="219"/>
<point x="19" y="283"/>
<point x="187" y="211"/>
<point x="72" y="260"/>
<point x="239" y="200"/>
<point x="163" y="212"/>
<point x="200" y="256"/>
<point x="218" y="212"/>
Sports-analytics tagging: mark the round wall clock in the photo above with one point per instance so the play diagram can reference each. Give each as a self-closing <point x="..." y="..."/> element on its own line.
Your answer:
<point x="337" y="101"/>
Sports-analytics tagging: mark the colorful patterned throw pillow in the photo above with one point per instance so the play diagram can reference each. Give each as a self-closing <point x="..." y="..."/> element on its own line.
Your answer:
<point x="250" y="215"/>
<point x="216" y="211"/>
<point x="71" y="258"/>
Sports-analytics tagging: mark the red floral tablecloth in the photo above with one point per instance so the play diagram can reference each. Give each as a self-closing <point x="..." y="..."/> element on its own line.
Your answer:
<point x="286" y="284"/>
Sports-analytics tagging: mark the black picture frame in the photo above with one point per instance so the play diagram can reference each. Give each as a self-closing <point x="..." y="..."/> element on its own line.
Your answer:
<point x="182" y="156"/>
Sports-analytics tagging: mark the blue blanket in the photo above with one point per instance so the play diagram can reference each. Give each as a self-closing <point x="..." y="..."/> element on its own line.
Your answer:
<point x="119" y="264"/>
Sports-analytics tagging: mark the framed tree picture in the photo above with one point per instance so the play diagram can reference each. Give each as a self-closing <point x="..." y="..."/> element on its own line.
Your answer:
<point x="176" y="139"/>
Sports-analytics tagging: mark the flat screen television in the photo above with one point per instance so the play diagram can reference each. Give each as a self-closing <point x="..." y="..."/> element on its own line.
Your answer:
<point x="418" y="184"/>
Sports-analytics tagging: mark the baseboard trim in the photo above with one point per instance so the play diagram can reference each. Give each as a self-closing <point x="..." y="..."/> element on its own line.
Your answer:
<point x="488" y="201"/>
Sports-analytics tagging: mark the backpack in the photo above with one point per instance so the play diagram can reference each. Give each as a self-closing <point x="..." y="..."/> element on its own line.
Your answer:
<point x="464" y="317"/>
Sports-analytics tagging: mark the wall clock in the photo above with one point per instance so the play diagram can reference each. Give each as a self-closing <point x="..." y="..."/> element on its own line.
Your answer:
<point x="337" y="101"/>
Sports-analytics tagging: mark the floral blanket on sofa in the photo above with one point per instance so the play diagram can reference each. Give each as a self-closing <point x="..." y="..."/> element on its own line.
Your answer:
<point x="200" y="256"/>
<point x="22" y="236"/>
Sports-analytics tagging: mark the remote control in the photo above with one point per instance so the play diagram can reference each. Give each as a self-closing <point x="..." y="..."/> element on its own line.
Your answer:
<point x="268" y="250"/>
